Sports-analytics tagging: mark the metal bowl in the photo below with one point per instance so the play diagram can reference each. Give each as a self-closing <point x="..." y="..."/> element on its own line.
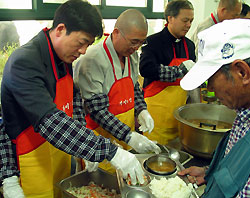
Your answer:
<point x="201" y="139"/>
<point x="137" y="194"/>
<point x="160" y="164"/>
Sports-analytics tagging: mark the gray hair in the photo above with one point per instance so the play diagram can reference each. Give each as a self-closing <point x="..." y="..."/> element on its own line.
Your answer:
<point x="229" y="4"/>
<point x="225" y="69"/>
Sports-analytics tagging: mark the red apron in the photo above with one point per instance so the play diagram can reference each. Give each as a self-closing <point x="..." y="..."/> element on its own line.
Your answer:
<point x="121" y="104"/>
<point x="162" y="99"/>
<point x="41" y="164"/>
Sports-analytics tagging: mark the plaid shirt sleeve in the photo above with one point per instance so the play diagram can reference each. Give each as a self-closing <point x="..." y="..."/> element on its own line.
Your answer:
<point x="97" y="106"/>
<point x="7" y="163"/>
<point x="245" y="193"/>
<point x="140" y="103"/>
<point x="73" y="138"/>
<point x="171" y="73"/>
<point x="78" y="108"/>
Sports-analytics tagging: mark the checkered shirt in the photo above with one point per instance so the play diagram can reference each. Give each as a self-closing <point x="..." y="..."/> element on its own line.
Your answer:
<point x="240" y="127"/>
<point x="7" y="161"/>
<point x="171" y="73"/>
<point x="98" y="105"/>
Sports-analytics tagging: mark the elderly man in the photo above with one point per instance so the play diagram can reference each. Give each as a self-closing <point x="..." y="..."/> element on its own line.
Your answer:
<point x="107" y="77"/>
<point x="224" y="61"/>
<point x="160" y="65"/>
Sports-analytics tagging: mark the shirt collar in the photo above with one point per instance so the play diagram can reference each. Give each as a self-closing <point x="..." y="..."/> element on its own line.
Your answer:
<point x="170" y="36"/>
<point x="243" y="114"/>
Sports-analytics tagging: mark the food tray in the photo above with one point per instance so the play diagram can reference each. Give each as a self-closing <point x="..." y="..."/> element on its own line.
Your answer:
<point x="125" y="189"/>
<point x="83" y="178"/>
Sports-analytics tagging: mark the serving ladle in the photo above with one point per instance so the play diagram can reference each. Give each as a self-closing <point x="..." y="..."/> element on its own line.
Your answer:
<point x="175" y="155"/>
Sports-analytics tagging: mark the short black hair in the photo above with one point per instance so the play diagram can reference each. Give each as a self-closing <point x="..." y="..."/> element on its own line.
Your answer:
<point x="173" y="7"/>
<point x="79" y="15"/>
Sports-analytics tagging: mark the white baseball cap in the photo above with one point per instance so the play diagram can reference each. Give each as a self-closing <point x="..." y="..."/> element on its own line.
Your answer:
<point x="220" y="44"/>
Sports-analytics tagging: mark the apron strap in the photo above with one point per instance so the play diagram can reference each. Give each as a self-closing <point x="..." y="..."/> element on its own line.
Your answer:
<point x="111" y="59"/>
<point x="52" y="56"/>
<point x="185" y="46"/>
<point x="214" y="19"/>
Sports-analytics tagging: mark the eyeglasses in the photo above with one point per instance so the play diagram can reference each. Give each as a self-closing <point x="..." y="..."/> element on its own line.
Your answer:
<point x="134" y="43"/>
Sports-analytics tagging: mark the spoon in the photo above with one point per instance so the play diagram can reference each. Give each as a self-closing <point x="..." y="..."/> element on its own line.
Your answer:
<point x="175" y="155"/>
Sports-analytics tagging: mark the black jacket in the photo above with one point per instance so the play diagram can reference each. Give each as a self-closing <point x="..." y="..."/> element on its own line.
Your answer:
<point x="29" y="86"/>
<point x="159" y="50"/>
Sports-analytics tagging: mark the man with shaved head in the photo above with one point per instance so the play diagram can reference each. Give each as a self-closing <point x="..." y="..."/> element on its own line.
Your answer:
<point x="227" y="9"/>
<point x="107" y="76"/>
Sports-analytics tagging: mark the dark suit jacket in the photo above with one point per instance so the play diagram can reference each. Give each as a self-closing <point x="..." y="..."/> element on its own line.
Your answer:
<point x="29" y="85"/>
<point x="159" y="50"/>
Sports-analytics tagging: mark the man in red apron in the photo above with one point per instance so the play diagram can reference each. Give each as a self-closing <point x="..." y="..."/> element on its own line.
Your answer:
<point x="160" y="65"/>
<point x="107" y="77"/>
<point x="37" y="104"/>
<point x="227" y="9"/>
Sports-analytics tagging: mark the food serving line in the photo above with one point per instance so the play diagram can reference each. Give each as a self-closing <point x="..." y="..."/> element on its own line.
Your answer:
<point x="199" y="140"/>
<point x="117" y="183"/>
<point x="144" y="191"/>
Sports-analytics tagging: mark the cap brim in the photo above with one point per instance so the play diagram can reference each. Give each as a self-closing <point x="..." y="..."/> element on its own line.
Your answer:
<point x="197" y="75"/>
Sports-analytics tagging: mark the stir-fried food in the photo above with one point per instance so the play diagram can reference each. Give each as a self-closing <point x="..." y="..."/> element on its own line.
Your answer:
<point x="93" y="191"/>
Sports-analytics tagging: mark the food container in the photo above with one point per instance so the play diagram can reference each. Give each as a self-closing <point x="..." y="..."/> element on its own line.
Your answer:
<point x="160" y="164"/>
<point x="137" y="194"/>
<point x="201" y="126"/>
<point x="144" y="190"/>
<point x="83" y="178"/>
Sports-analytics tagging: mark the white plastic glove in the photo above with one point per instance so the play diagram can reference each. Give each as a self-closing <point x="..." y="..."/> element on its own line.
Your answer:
<point x="89" y="166"/>
<point x="188" y="64"/>
<point x="146" y="121"/>
<point x="142" y="144"/>
<point x="128" y="164"/>
<point x="12" y="188"/>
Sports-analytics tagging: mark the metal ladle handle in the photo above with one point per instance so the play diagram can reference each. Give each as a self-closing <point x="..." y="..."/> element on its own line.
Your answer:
<point x="209" y="125"/>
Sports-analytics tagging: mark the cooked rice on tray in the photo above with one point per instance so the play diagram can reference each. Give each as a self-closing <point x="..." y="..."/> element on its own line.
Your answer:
<point x="170" y="188"/>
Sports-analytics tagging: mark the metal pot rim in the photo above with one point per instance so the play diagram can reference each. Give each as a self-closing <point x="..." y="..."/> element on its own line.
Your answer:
<point x="184" y="121"/>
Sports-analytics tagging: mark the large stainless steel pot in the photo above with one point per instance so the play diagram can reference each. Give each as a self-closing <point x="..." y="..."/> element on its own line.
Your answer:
<point x="202" y="139"/>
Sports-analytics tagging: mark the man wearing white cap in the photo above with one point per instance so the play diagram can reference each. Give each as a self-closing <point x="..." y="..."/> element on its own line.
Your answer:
<point x="224" y="60"/>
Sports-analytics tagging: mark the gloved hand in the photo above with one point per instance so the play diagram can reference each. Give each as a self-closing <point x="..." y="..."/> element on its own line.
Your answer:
<point x="146" y="121"/>
<point x="188" y="64"/>
<point x="142" y="144"/>
<point x="89" y="166"/>
<point x="128" y="164"/>
<point x="12" y="188"/>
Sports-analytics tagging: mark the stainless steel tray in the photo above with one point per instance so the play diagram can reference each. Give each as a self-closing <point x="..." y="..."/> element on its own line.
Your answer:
<point x="104" y="178"/>
<point x="83" y="178"/>
<point x="184" y="156"/>
<point x="125" y="189"/>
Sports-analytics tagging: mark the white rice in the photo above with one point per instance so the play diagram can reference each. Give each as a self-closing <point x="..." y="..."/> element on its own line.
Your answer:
<point x="170" y="188"/>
